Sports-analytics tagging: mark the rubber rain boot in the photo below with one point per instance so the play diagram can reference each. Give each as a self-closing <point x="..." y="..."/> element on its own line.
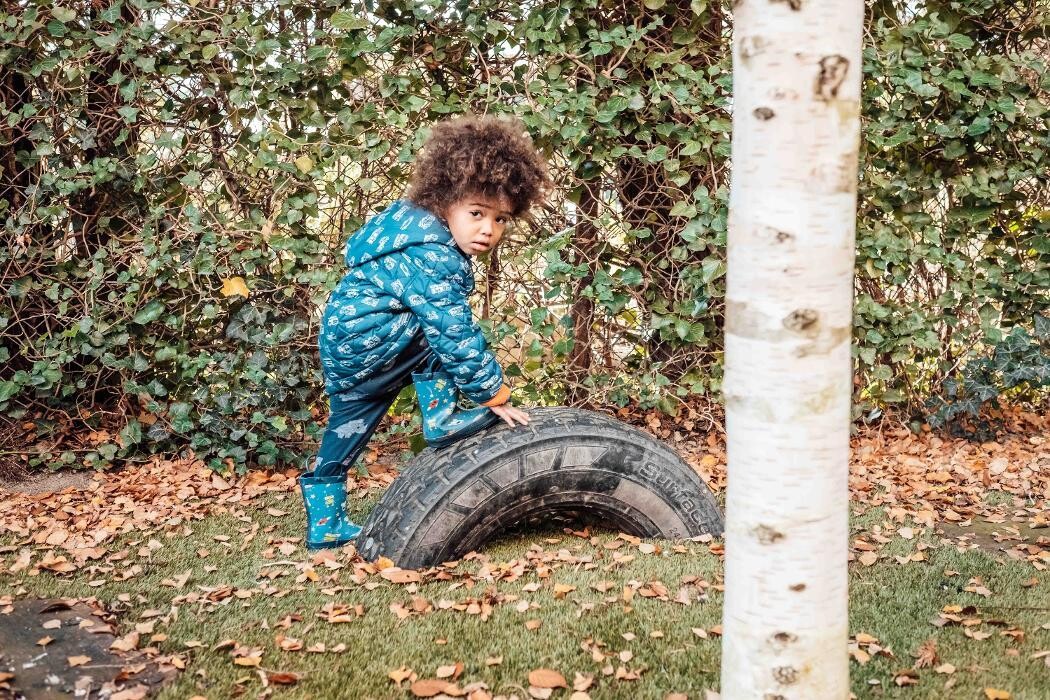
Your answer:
<point x="327" y="524"/>
<point x="444" y="423"/>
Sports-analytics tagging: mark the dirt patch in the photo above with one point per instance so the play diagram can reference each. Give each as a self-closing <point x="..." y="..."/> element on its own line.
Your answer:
<point x="998" y="538"/>
<point x="57" y="649"/>
<point x="48" y="482"/>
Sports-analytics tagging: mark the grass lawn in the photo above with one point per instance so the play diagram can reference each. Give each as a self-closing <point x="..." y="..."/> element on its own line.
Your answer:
<point x="611" y="610"/>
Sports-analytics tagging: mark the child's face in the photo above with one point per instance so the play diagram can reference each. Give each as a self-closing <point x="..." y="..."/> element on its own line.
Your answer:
<point x="477" y="223"/>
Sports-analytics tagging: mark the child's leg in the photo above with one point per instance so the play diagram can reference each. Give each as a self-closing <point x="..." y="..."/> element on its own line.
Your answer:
<point x="356" y="413"/>
<point x="350" y="426"/>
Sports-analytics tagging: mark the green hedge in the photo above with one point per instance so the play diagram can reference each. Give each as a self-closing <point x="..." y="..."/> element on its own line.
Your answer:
<point x="157" y="156"/>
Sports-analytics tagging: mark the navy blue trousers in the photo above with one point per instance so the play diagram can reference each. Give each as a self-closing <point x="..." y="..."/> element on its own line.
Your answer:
<point x="355" y="413"/>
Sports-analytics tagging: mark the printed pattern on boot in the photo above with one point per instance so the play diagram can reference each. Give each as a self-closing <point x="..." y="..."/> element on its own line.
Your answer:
<point x="443" y="422"/>
<point x="327" y="524"/>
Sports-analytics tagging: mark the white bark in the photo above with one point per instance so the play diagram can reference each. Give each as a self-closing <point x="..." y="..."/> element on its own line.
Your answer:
<point x="796" y="109"/>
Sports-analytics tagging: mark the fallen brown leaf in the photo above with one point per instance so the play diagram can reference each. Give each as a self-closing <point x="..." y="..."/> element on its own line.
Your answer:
<point x="452" y="671"/>
<point x="906" y="677"/>
<point x="400" y="675"/>
<point x="288" y="643"/>
<point x="547" y="678"/>
<point x="927" y="654"/>
<point x="397" y="575"/>
<point x="135" y="692"/>
<point x="126" y="643"/>
<point x="429" y="687"/>
<point x="868" y="558"/>
<point x="561" y="590"/>
<point x="282" y="677"/>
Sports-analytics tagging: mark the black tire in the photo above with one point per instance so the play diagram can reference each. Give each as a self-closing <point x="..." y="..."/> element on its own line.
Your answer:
<point x="567" y="465"/>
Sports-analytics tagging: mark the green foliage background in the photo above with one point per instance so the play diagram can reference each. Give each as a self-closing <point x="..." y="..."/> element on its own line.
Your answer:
<point x="153" y="150"/>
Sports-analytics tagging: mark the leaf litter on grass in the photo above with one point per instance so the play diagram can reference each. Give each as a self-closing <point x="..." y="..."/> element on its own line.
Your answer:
<point x="918" y="482"/>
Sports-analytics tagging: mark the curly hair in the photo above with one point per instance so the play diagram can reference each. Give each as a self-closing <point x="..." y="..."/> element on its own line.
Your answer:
<point x="486" y="156"/>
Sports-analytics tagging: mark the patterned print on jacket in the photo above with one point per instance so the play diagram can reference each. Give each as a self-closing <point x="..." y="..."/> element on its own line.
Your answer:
<point x="405" y="275"/>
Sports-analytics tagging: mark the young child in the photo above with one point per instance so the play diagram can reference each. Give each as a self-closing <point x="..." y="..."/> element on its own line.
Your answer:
<point x="405" y="298"/>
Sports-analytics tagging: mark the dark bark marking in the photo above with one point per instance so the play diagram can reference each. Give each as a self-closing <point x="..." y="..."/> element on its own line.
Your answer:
<point x="802" y="321"/>
<point x="785" y="675"/>
<point x="795" y="5"/>
<point x="780" y="93"/>
<point x="832" y="72"/>
<point x="782" y="639"/>
<point x="767" y="535"/>
<point x="764" y="113"/>
<point x="798" y="587"/>
<point x="751" y="46"/>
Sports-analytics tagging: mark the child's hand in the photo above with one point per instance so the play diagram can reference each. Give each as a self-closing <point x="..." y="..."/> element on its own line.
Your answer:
<point x="510" y="414"/>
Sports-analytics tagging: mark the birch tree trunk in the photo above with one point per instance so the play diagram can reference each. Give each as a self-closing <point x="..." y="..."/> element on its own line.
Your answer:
<point x="792" y="209"/>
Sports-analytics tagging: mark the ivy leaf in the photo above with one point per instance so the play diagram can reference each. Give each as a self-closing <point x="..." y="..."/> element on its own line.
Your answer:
<point x="712" y="268"/>
<point x="348" y="21"/>
<point x="913" y="79"/>
<point x="8" y="389"/>
<point x="150" y="312"/>
<point x="691" y="148"/>
<point x="979" y="126"/>
<point x="954" y="149"/>
<point x="191" y="179"/>
<point x="131" y="434"/>
<point x="304" y="163"/>
<point x="631" y="276"/>
<point x="111" y="14"/>
<point x="108" y="41"/>
<point x="684" y="209"/>
<point x="164" y="354"/>
<point x="63" y="14"/>
<point x="1042" y="327"/>
<point x="130" y="114"/>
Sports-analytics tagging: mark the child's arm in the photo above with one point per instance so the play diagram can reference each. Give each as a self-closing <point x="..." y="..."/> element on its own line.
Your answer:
<point x="436" y="291"/>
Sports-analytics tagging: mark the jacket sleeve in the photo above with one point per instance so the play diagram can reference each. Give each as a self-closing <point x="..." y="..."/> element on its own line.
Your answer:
<point x="436" y="289"/>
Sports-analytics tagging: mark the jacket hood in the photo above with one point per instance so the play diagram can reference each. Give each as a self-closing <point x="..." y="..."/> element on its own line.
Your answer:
<point x="397" y="227"/>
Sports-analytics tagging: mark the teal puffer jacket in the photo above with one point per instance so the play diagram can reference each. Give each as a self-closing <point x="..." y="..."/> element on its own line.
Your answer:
<point x="405" y="274"/>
